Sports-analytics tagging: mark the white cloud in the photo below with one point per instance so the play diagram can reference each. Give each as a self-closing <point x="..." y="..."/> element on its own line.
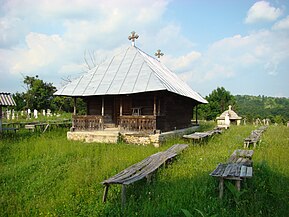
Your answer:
<point x="182" y="63"/>
<point x="282" y="24"/>
<point x="11" y="31"/>
<point x="262" y="11"/>
<point x="41" y="51"/>
<point x="261" y="52"/>
<point x="80" y="25"/>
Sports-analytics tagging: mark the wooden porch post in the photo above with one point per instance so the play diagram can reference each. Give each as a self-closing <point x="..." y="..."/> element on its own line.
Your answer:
<point x="102" y="106"/>
<point x="155" y="105"/>
<point x="120" y="107"/>
<point x="196" y="114"/>
<point x="0" y="118"/>
<point x="74" y="106"/>
<point x="159" y="107"/>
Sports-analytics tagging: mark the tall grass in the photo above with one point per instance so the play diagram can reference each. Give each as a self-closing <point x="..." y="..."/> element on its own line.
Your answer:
<point x="48" y="175"/>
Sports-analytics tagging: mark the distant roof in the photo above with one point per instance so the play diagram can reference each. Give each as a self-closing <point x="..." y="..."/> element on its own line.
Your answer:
<point x="131" y="71"/>
<point x="6" y="100"/>
<point x="232" y="115"/>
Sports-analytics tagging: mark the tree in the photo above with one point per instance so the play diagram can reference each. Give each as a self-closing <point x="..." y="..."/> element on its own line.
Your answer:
<point x="39" y="94"/>
<point x="219" y="100"/>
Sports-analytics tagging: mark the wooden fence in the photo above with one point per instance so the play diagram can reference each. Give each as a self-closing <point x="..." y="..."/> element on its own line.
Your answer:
<point x="87" y="122"/>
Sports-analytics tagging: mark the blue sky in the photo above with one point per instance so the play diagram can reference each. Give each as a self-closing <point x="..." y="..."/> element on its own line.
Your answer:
<point x="240" y="45"/>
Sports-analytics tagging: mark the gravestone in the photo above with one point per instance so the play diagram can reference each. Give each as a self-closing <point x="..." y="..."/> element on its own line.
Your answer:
<point x="13" y="114"/>
<point x="28" y="113"/>
<point x="35" y="113"/>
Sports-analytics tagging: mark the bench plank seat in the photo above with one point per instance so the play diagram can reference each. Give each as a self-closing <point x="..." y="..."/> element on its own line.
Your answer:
<point x="254" y="137"/>
<point x="202" y="135"/>
<point x="238" y="167"/>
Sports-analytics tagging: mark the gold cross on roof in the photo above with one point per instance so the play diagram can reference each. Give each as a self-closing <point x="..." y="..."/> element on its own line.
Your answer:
<point x="132" y="37"/>
<point x="159" y="53"/>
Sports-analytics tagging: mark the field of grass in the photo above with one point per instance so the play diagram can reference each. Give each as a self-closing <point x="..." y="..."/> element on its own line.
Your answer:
<point x="44" y="174"/>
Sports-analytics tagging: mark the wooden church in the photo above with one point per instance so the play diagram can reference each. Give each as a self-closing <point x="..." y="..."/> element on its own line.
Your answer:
<point x="132" y="91"/>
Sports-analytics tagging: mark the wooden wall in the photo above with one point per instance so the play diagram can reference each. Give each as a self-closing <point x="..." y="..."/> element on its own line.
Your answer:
<point x="177" y="112"/>
<point x="173" y="111"/>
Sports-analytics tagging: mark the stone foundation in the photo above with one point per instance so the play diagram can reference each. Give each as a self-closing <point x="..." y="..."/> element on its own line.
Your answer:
<point x="154" y="139"/>
<point x="128" y="137"/>
<point x="97" y="136"/>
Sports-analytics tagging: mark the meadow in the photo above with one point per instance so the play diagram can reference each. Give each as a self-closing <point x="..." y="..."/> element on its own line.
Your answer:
<point x="45" y="174"/>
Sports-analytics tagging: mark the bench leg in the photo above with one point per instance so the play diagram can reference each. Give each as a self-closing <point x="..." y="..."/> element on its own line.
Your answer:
<point x="221" y="188"/>
<point x="123" y="196"/>
<point x="149" y="177"/>
<point x="238" y="185"/>
<point x="254" y="145"/>
<point x="105" y="193"/>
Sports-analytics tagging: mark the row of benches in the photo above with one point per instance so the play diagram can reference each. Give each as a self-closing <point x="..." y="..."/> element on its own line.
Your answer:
<point x="254" y="137"/>
<point x="240" y="165"/>
<point x="143" y="169"/>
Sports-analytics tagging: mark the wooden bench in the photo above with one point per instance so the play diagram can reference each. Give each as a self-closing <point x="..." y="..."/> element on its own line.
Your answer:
<point x="140" y="170"/>
<point x="199" y="136"/>
<point x="10" y="129"/>
<point x="30" y="127"/>
<point x="242" y="156"/>
<point x="238" y="168"/>
<point x="254" y="137"/>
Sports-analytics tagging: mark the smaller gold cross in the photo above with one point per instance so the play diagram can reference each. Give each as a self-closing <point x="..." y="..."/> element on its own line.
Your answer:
<point x="159" y="53"/>
<point x="132" y="37"/>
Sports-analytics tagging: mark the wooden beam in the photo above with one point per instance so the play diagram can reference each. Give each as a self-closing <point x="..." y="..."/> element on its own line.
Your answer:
<point x="102" y="106"/>
<point x="0" y="118"/>
<point x="123" y="195"/>
<point x="120" y="107"/>
<point x="159" y="107"/>
<point x="238" y="185"/>
<point x="155" y="105"/>
<point x="74" y="106"/>
<point x="221" y="188"/>
<point x="196" y="114"/>
<point x="105" y="193"/>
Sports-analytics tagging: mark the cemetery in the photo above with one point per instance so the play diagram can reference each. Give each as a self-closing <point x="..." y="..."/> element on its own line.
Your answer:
<point x="132" y="143"/>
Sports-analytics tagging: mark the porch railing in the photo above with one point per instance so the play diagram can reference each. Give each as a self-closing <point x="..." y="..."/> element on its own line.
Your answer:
<point x="87" y="122"/>
<point x="138" y="123"/>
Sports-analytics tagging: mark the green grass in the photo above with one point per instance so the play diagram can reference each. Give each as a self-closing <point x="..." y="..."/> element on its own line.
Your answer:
<point x="48" y="175"/>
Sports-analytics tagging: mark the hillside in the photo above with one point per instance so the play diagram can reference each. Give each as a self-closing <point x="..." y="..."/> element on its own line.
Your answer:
<point x="276" y="109"/>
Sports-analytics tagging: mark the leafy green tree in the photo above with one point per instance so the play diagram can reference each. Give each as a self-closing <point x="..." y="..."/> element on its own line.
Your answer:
<point x="20" y="101"/>
<point x="219" y="100"/>
<point x="39" y="94"/>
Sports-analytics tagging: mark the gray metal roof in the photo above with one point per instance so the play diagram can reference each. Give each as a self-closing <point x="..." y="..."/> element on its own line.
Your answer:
<point x="6" y="100"/>
<point x="132" y="71"/>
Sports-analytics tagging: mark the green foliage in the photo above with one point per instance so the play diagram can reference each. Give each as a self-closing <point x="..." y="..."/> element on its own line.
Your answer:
<point x="252" y="107"/>
<point x="48" y="175"/>
<point x="39" y="95"/>
<point x="219" y="100"/>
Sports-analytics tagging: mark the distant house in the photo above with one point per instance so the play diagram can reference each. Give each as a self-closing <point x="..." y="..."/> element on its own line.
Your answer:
<point x="134" y="92"/>
<point x="229" y="117"/>
<point x="5" y="100"/>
